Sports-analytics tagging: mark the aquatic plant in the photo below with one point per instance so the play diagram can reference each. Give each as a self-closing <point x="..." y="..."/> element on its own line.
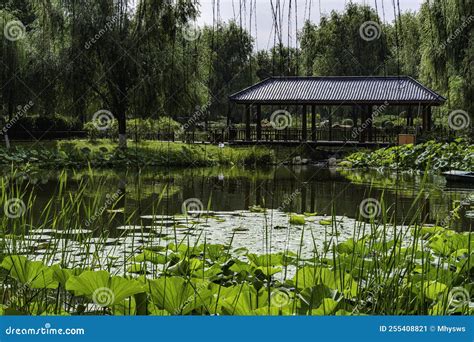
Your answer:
<point x="169" y="267"/>
<point x="431" y="155"/>
<point x="432" y="274"/>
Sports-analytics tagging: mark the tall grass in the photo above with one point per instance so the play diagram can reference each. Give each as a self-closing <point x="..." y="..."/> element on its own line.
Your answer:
<point x="382" y="269"/>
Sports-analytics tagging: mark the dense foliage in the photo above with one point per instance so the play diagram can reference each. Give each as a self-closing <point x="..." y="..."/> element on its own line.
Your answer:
<point x="371" y="275"/>
<point x="102" y="153"/>
<point x="149" y="60"/>
<point x="432" y="156"/>
<point x="139" y="128"/>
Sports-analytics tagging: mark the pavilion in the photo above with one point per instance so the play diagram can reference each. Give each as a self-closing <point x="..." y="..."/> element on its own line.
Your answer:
<point x="364" y="94"/>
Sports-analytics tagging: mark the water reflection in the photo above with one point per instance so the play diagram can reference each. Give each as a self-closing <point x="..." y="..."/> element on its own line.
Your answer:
<point x="405" y="197"/>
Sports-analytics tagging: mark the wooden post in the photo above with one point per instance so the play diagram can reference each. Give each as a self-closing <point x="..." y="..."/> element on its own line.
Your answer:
<point x="369" y="121"/>
<point x="228" y="114"/>
<point x="429" y="119"/>
<point x="355" y="110"/>
<point x="328" y="109"/>
<point x="304" y="135"/>
<point x="409" y="116"/>
<point x="424" y="119"/>
<point x="259" y="122"/>
<point x="313" y="122"/>
<point x="247" y="122"/>
<point x="363" y="124"/>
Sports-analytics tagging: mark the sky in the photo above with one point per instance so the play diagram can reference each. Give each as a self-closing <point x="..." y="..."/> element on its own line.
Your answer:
<point x="262" y="22"/>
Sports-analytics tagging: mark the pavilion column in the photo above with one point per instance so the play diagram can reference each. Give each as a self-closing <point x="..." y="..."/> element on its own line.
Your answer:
<point x="429" y="119"/>
<point x="304" y="135"/>
<point x="354" y="112"/>
<point x="229" y="110"/>
<point x="247" y="122"/>
<point x="370" y="122"/>
<point x="330" y="122"/>
<point x="409" y="116"/>
<point x="313" y="122"/>
<point x="424" y="118"/>
<point x="363" y="125"/>
<point x="259" y="122"/>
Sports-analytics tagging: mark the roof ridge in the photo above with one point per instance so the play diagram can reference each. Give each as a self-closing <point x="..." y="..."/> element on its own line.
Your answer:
<point x="427" y="89"/>
<point x="338" y="88"/>
<point x="341" y="77"/>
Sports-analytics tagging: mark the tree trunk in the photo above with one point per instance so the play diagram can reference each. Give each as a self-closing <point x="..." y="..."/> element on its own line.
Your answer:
<point x="122" y="129"/>
<point x="11" y="108"/>
<point x="120" y="111"/>
<point x="7" y="141"/>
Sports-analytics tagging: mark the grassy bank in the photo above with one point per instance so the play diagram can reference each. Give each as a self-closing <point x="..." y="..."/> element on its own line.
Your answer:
<point x="432" y="155"/>
<point x="103" y="153"/>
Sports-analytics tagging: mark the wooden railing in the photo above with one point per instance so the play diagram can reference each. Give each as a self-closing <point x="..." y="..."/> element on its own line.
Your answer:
<point x="285" y="135"/>
<point x="239" y="134"/>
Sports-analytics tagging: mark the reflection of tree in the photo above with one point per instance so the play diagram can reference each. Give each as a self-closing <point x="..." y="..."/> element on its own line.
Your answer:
<point x="404" y="183"/>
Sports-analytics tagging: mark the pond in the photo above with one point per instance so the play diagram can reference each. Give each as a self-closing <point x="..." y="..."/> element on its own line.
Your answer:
<point x="299" y="189"/>
<point x="102" y="215"/>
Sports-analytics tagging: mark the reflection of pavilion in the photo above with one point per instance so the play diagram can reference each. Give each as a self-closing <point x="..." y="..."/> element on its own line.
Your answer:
<point x="327" y="95"/>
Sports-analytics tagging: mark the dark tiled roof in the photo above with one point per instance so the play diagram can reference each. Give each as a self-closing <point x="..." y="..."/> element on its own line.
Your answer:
<point x="339" y="90"/>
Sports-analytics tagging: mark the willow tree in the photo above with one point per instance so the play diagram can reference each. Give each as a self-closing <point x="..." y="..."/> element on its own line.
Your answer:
<point x="404" y="40"/>
<point x="228" y="48"/>
<point x="12" y="61"/>
<point x="447" y="29"/>
<point x="116" y="42"/>
<point x="337" y="47"/>
<point x="279" y="61"/>
<point x="169" y="63"/>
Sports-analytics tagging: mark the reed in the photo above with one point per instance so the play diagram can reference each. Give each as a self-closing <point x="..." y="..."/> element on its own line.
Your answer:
<point x="65" y="260"/>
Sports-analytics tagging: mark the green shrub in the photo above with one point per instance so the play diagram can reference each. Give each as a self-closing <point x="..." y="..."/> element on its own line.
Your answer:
<point x="432" y="155"/>
<point x="103" y="153"/>
<point x="54" y="122"/>
<point x="138" y="129"/>
<point x="347" y="122"/>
